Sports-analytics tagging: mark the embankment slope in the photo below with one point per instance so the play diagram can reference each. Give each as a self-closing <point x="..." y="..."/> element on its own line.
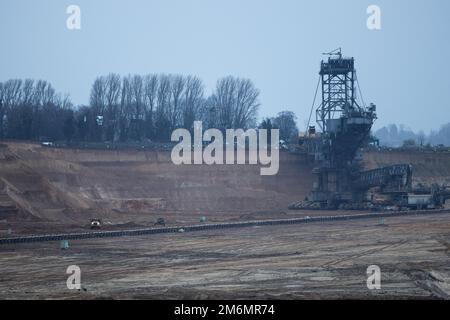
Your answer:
<point x="68" y="187"/>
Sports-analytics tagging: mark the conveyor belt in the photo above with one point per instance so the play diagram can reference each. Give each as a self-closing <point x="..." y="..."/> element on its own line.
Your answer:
<point x="203" y="227"/>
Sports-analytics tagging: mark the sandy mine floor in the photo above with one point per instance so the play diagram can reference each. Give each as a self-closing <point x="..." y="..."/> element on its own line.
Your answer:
<point x="316" y="261"/>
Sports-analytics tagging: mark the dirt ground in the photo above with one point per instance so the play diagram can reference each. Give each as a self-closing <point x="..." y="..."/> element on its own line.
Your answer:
<point x="59" y="190"/>
<point x="47" y="190"/>
<point x="316" y="261"/>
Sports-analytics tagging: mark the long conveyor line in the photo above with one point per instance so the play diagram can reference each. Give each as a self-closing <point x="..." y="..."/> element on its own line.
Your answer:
<point x="202" y="227"/>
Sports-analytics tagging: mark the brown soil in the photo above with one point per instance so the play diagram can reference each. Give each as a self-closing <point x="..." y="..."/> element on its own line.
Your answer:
<point x="46" y="190"/>
<point x="316" y="261"/>
<point x="65" y="188"/>
<point x="59" y="190"/>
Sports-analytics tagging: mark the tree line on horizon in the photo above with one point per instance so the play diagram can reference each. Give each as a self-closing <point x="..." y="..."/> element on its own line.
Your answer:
<point x="132" y="108"/>
<point x="135" y="108"/>
<point x="401" y="136"/>
<point x="126" y="108"/>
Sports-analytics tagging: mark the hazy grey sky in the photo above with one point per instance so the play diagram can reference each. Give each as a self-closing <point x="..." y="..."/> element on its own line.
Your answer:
<point x="403" y="67"/>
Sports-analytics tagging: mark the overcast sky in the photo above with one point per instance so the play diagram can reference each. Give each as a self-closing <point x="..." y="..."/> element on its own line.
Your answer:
<point x="403" y="68"/>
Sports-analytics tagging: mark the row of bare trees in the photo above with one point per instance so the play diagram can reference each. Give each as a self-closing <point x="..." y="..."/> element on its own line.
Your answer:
<point x="152" y="106"/>
<point x="234" y="104"/>
<point x="133" y="107"/>
<point x="31" y="109"/>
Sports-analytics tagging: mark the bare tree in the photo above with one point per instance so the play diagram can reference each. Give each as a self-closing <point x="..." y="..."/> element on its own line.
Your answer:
<point x="177" y="88"/>
<point x="138" y="113"/>
<point x="12" y="92"/>
<point x="112" y="92"/>
<point x="246" y="107"/>
<point x="236" y="102"/>
<point x="193" y="102"/>
<point x="150" y="91"/>
<point x="98" y="95"/>
<point x="49" y="95"/>
<point x="223" y="101"/>
<point x="162" y="123"/>
<point x="285" y="121"/>
<point x="28" y="92"/>
<point x="112" y="99"/>
<point x="137" y="95"/>
<point x="125" y="113"/>
<point x="30" y="110"/>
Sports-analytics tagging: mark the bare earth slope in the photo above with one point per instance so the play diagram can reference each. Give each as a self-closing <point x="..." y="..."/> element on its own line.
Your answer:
<point x="58" y="190"/>
<point x="48" y="189"/>
<point x="70" y="186"/>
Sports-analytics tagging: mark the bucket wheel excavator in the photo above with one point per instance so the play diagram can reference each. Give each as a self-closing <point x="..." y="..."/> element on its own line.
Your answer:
<point x="345" y="122"/>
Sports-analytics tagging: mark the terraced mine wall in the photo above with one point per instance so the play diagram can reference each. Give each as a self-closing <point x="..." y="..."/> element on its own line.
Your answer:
<point x="71" y="186"/>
